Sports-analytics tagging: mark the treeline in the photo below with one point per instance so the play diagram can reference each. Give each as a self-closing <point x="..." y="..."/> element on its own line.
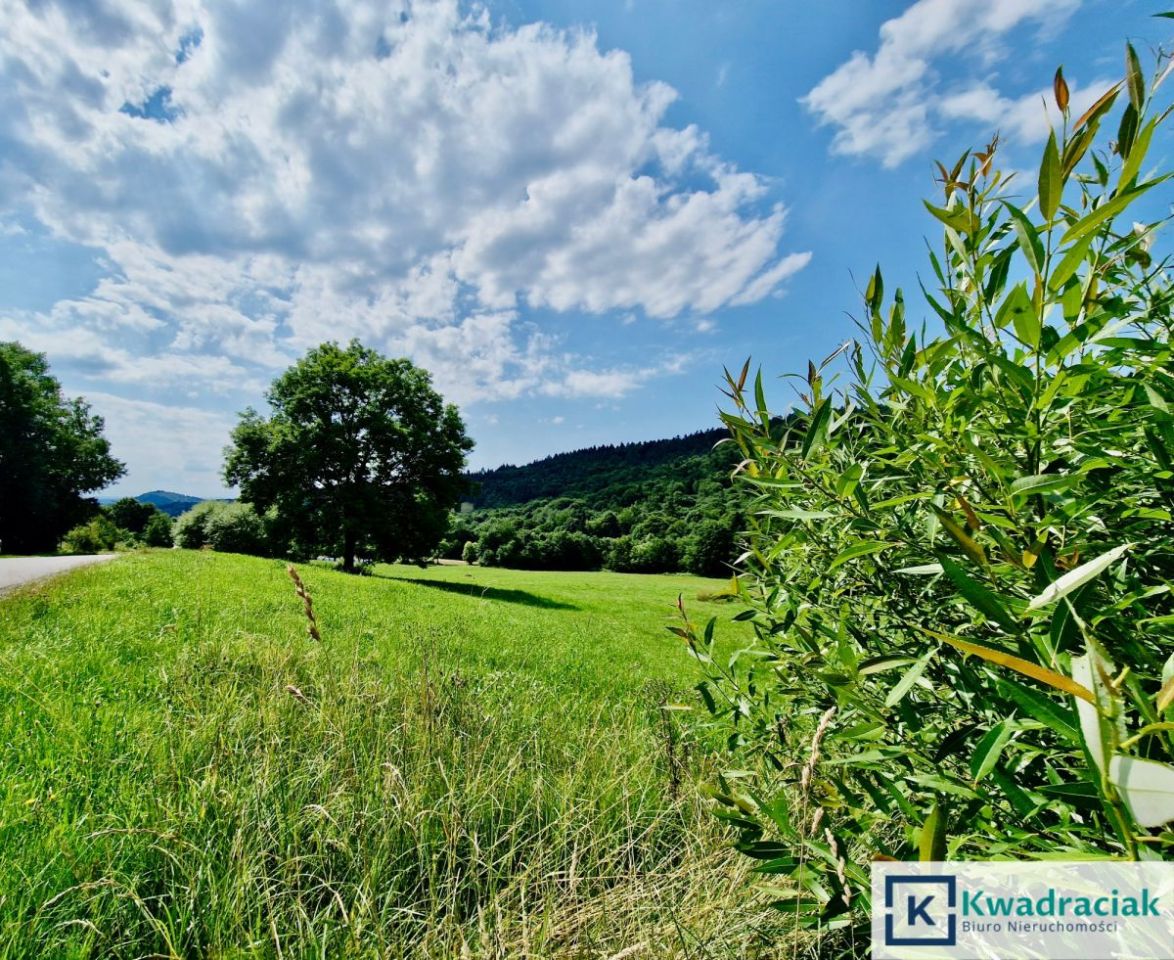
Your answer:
<point x="660" y="507"/>
<point x="124" y="523"/>
<point x="614" y="471"/>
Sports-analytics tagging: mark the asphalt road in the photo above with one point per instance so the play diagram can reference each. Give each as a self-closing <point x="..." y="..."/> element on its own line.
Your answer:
<point x="17" y="570"/>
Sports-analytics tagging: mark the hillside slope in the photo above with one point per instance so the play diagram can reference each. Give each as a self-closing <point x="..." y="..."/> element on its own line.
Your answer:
<point x="592" y="470"/>
<point x="662" y="506"/>
<point x="462" y="736"/>
<point x="172" y="504"/>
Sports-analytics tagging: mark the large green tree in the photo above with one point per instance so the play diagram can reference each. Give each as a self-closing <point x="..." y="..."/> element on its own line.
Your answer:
<point x="360" y="455"/>
<point x="52" y="453"/>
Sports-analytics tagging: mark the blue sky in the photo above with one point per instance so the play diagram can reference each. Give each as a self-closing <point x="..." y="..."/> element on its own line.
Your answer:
<point x="573" y="214"/>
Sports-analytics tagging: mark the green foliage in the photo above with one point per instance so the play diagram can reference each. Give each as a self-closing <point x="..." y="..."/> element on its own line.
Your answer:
<point x="615" y="473"/>
<point x="959" y="562"/>
<point x="471" y="763"/>
<point x="141" y="522"/>
<point x="647" y="554"/>
<point x="710" y="549"/>
<point x="658" y="507"/>
<point x="191" y="528"/>
<point x="130" y="514"/>
<point x="236" y="528"/>
<point x="99" y="535"/>
<point x="360" y="455"/>
<point x="225" y="527"/>
<point x="52" y="453"/>
<point x="157" y="532"/>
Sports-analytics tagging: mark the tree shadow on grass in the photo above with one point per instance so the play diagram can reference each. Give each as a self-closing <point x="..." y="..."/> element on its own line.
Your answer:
<point x="486" y="593"/>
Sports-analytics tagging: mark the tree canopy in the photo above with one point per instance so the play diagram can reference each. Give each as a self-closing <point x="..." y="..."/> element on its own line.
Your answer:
<point x="360" y="455"/>
<point x="52" y="453"/>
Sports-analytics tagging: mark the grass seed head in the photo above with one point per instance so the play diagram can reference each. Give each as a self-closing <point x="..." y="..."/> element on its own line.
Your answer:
<point x="307" y="603"/>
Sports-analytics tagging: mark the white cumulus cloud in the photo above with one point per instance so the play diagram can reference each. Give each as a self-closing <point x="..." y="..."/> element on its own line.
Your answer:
<point x="257" y="178"/>
<point x="889" y="104"/>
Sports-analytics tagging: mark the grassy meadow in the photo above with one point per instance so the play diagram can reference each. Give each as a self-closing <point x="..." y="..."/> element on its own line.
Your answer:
<point x="471" y="763"/>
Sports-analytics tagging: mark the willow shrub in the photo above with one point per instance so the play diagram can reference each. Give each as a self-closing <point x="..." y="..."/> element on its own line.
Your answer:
<point x="960" y="553"/>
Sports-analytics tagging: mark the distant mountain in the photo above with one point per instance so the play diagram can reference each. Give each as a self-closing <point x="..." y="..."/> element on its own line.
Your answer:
<point x="592" y="471"/>
<point x="172" y="504"/>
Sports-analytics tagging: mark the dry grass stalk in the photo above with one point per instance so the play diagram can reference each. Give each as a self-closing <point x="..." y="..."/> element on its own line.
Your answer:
<point x="841" y="866"/>
<point x="809" y="768"/>
<point x="307" y="603"/>
<point x="815" y="821"/>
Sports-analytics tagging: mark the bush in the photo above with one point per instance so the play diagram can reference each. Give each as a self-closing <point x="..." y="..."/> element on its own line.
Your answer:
<point x="960" y="561"/>
<point x="225" y="527"/>
<point x="130" y="514"/>
<point x="651" y="554"/>
<point x="452" y="547"/>
<point x="236" y="528"/>
<point x="157" y="532"/>
<point x="469" y="553"/>
<point x="191" y="528"/>
<point x="98" y="536"/>
<point x="709" y="551"/>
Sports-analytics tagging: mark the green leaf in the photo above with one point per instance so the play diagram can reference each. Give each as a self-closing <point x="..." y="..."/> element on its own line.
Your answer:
<point x="881" y="664"/>
<point x="1044" y="482"/>
<point x="979" y="596"/>
<point x="1073" y="257"/>
<point x="1020" y="312"/>
<point x="794" y="513"/>
<point x="1156" y="400"/>
<point x="989" y="748"/>
<point x="848" y="480"/>
<point x="817" y="426"/>
<point x="1029" y="241"/>
<point x="1134" y="78"/>
<point x="1051" y="182"/>
<point x="905" y="684"/>
<point x="1076" y="148"/>
<point x="1137" y="153"/>
<point x="1041" y="708"/>
<point x="764" y="849"/>
<point x="760" y="398"/>
<point x="1074" y="579"/>
<point x="875" y="293"/>
<point x="797" y="904"/>
<point x="1106" y="211"/>
<point x="931" y="846"/>
<point x="1126" y="131"/>
<point x="782" y="865"/>
<point x="862" y="549"/>
<point x="970" y="547"/>
<point x="1081" y="794"/>
<point x="959" y="219"/>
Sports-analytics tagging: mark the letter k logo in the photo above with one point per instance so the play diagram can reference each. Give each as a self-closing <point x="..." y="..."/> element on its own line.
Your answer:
<point x="918" y="910"/>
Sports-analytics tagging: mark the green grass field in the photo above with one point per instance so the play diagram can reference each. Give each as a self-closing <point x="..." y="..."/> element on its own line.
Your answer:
<point x="472" y="763"/>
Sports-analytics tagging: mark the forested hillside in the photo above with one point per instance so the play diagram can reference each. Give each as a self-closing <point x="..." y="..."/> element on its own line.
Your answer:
<point x="654" y="507"/>
<point x="605" y="470"/>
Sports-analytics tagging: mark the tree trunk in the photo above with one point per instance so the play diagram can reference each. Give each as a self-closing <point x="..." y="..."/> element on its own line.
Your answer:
<point x="348" y="550"/>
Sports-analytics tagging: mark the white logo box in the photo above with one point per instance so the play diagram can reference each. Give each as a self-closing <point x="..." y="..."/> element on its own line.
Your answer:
<point x="1055" y="910"/>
